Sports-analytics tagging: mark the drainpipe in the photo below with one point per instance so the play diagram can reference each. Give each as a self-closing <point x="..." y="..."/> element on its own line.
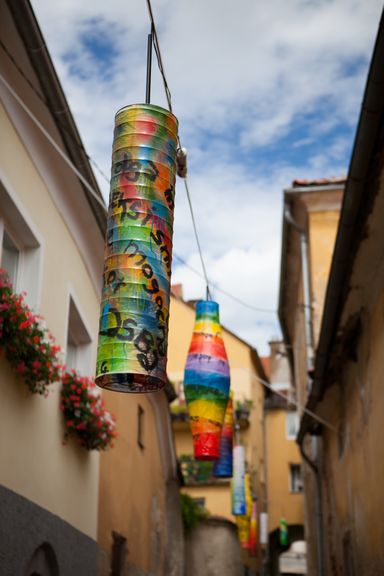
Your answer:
<point x="310" y="364"/>
<point x="307" y="295"/>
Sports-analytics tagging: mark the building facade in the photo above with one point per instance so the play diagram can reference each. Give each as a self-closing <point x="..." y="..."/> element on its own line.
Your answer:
<point x="51" y="244"/>
<point x="310" y="223"/>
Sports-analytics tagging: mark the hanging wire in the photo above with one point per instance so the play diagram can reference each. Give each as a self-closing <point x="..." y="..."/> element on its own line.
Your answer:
<point x="169" y="101"/>
<point x="54" y="144"/>
<point x="197" y="240"/>
<point x="219" y="289"/>
<point x="299" y="406"/>
<point x="158" y="56"/>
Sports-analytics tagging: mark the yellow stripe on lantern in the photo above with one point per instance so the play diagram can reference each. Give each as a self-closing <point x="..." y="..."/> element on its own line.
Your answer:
<point x="207" y="327"/>
<point x="206" y="409"/>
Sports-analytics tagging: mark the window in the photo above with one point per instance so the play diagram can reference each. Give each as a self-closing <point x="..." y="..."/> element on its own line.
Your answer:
<point x="295" y="478"/>
<point x="200" y="502"/>
<point x="140" y="426"/>
<point x="20" y="252"/>
<point x="78" y="352"/>
<point x="292" y="425"/>
<point x="180" y="392"/>
<point x="118" y="554"/>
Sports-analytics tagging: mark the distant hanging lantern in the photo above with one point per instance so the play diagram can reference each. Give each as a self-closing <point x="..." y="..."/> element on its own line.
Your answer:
<point x="283" y="532"/>
<point x="253" y="530"/>
<point x="238" y="485"/>
<point x="244" y="521"/>
<point x="206" y="381"/>
<point x="223" y="467"/>
<point x="132" y="350"/>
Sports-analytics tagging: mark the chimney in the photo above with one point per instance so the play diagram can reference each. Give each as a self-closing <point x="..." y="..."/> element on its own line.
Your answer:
<point x="177" y="291"/>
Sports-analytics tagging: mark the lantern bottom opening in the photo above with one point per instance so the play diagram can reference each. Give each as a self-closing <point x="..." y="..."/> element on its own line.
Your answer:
<point x="130" y="383"/>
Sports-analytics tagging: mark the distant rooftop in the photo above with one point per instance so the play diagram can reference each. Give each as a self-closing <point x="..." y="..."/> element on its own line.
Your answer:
<point x="266" y="362"/>
<point x="319" y="182"/>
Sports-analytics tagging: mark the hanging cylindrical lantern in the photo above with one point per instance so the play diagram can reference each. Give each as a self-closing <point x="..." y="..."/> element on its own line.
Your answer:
<point x="132" y="350"/>
<point x="223" y="467"/>
<point x="253" y="530"/>
<point x="283" y="532"/>
<point x="244" y="521"/>
<point x="238" y="487"/>
<point x="206" y="381"/>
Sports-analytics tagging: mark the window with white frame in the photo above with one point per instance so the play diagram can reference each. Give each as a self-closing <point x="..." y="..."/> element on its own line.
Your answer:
<point x="295" y="478"/>
<point x="20" y="253"/>
<point x="78" y="350"/>
<point x="10" y="257"/>
<point x="292" y="425"/>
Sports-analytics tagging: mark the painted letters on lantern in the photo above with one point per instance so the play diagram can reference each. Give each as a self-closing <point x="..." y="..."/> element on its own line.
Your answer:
<point x="132" y="349"/>
<point x="206" y="381"/>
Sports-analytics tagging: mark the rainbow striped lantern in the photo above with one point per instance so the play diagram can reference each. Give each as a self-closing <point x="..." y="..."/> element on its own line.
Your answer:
<point x="206" y="381"/>
<point x="223" y="467"/>
<point x="132" y="350"/>
<point x="238" y="483"/>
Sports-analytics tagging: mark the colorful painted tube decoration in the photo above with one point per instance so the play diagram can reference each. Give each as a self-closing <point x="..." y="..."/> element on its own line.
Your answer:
<point x="206" y="381"/>
<point x="244" y="521"/>
<point x="283" y="532"/>
<point x="223" y="467"/>
<point x="133" y="335"/>
<point x="253" y="530"/>
<point x="238" y="486"/>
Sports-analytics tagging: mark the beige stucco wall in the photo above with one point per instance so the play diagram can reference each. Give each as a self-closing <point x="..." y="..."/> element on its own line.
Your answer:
<point x="353" y="467"/>
<point x="281" y="453"/>
<point x="34" y="463"/>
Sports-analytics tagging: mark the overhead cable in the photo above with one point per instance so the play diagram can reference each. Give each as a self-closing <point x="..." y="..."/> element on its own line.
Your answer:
<point x="169" y="100"/>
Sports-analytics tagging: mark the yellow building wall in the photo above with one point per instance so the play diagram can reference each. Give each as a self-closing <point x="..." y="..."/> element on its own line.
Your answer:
<point x="281" y="452"/>
<point x="323" y="227"/>
<point x="244" y="385"/>
<point x="132" y="487"/>
<point x="34" y="463"/>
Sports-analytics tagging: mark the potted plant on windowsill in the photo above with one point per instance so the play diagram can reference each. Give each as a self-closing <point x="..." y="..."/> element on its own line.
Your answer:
<point x="86" y="417"/>
<point x="242" y="410"/>
<point x="29" y="347"/>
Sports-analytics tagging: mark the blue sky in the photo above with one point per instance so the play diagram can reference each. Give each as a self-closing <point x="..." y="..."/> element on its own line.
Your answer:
<point x="264" y="93"/>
